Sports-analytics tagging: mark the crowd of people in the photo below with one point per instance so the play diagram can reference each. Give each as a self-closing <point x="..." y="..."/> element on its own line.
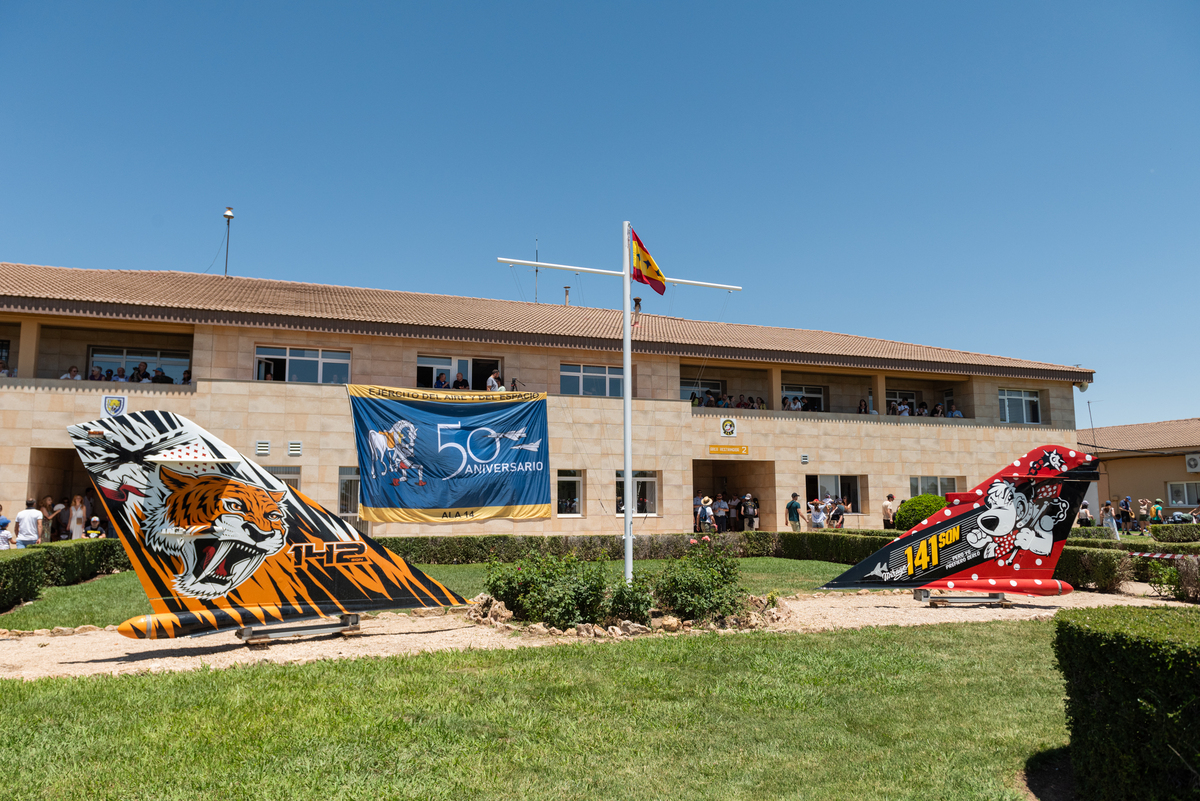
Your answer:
<point x="72" y="518"/>
<point x="799" y="403"/>
<point x="140" y="375"/>
<point x="737" y="513"/>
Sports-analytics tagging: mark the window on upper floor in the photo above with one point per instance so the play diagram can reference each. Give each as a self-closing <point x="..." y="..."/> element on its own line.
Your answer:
<point x="811" y="398"/>
<point x="1019" y="406"/>
<point x="698" y="387"/>
<point x="588" y="379"/>
<point x="304" y="365"/>
<point x="171" y="362"/>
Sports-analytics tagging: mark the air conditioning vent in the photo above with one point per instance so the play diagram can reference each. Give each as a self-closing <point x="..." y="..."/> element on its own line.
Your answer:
<point x="1193" y="462"/>
<point x="804" y="458"/>
<point x="262" y="448"/>
<point x="295" y="448"/>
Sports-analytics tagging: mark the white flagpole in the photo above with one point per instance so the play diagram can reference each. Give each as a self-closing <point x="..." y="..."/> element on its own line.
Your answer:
<point x="627" y="408"/>
<point x="630" y="493"/>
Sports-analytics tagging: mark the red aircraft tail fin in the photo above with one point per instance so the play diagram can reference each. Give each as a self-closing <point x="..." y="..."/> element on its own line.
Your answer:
<point x="1005" y="535"/>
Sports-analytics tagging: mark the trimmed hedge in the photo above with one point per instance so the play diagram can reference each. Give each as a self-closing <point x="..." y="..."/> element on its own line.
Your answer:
<point x="22" y="575"/>
<point x="1101" y="569"/>
<point x="823" y="546"/>
<point x="914" y="510"/>
<point x="1133" y="700"/>
<point x="73" y="561"/>
<point x="1182" y="532"/>
<point x="1192" y="548"/>
<point x="24" y="571"/>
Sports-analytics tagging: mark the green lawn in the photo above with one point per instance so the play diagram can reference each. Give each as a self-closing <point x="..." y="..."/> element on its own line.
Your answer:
<point x="932" y="712"/>
<point x="111" y="600"/>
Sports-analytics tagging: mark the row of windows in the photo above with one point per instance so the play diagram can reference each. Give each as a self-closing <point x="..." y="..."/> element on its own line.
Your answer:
<point x="571" y="484"/>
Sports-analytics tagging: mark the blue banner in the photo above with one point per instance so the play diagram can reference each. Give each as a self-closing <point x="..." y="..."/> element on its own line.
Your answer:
<point x="429" y="456"/>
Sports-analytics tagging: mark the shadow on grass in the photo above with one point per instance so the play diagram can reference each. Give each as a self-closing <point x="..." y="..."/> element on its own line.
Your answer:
<point x="164" y="653"/>
<point x="1048" y="775"/>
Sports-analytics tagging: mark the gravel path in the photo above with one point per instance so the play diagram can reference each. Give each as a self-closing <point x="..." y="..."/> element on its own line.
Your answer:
<point x="67" y="652"/>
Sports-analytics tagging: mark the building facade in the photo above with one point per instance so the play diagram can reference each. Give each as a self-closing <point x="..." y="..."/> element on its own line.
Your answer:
<point x="1149" y="460"/>
<point x="270" y="360"/>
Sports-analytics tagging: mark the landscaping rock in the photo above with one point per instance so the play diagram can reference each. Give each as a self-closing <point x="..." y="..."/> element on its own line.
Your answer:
<point x="569" y="633"/>
<point x="670" y="623"/>
<point x="42" y="632"/>
<point x="614" y="631"/>
<point x="537" y="629"/>
<point x="864" y="592"/>
<point x="110" y="627"/>
<point x="486" y="609"/>
<point x="554" y="632"/>
<point x="631" y="629"/>
<point x="86" y="629"/>
<point x="20" y="633"/>
<point x="3" y="632"/>
<point x="599" y="632"/>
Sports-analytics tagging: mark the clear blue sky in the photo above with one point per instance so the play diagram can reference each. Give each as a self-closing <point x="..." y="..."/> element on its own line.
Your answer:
<point x="1013" y="178"/>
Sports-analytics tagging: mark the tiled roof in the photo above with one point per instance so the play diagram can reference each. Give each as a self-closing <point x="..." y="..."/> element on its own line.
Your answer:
<point x="1168" y="434"/>
<point x="214" y="299"/>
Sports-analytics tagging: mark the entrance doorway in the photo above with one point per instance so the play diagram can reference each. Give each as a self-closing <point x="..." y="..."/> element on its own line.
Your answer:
<point x="59" y="473"/>
<point x="481" y="371"/>
<point x="736" y="477"/>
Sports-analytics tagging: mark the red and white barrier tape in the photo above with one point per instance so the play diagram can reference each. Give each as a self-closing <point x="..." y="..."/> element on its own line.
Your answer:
<point x="1161" y="555"/>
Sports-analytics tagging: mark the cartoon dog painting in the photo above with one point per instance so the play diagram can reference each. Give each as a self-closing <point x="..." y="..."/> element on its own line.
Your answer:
<point x="1011" y="522"/>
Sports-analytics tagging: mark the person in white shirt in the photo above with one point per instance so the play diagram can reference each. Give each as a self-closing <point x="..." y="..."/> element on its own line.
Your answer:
<point x="120" y="376"/>
<point x="494" y="381"/>
<point x="71" y="375"/>
<point x="904" y="409"/>
<point x="29" y="525"/>
<point x="816" y="511"/>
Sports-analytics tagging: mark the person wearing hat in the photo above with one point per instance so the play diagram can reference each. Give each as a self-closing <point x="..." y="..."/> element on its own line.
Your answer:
<point x="94" y="530"/>
<point x="160" y="377"/>
<point x="889" y="512"/>
<point x="793" y="512"/>
<point x="1156" y="511"/>
<point x="705" y="515"/>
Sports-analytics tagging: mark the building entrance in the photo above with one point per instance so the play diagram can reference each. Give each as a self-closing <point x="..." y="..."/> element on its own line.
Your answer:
<point x="731" y="478"/>
<point x="58" y="473"/>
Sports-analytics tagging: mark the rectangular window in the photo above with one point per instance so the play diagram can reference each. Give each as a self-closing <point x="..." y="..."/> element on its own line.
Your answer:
<point x="839" y="487"/>
<point x="1184" y="493"/>
<point x="570" y="493"/>
<point x="812" y="397"/>
<point x="645" y="485"/>
<point x="587" y="379"/>
<point x="430" y="368"/>
<point x="1019" y="406"/>
<point x="302" y="365"/>
<point x="172" y="362"/>
<point x="348" y="486"/>
<point x="288" y="474"/>
<point x="931" y="485"/>
<point x="698" y="387"/>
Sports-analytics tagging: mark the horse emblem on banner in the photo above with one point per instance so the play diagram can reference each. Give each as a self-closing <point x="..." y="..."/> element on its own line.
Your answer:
<point x="393" y="451"/>
<point x="114" y="405"/>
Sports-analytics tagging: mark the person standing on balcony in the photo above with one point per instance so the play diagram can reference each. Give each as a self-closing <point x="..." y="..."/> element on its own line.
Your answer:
<point x="493" y="382"/>
<point x="120" y="376"/>
<point x="140" y="374"/>
<point x="71" y="375"/>
<point x="97" y="374"/>
<point x="862" y="407"/>
<point x="953" y="411"/>
<point x="441" y="382"/>
<point x="904" y="410"/>
<point x="461" y="383"/>
<point x="161" y="377"/>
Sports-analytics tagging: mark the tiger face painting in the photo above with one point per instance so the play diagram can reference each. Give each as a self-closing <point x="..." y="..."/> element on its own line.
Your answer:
<point x="223" y="530"/>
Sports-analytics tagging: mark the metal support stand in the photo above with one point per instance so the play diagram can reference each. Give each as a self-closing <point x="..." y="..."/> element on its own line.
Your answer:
<point x="992" y="599"/>
<point x="347" y="626"/>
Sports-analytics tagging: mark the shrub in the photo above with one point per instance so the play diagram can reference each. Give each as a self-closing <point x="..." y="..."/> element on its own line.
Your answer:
<point x="914" y="510"/>
<point x="1182" y="532"/>
<point x="632" y="601"/>
<point x="1180" y="580"/>
<point x="22" y="575"/>
<point x="73" y="561"/>
<point x="558" y="590"/>
<point x="701" y="583"/>
<point x="1133" y="686"/>
<point x="1093" y="532"/>
<point x="841" y="547"/>
<point x="1103" y="569"/>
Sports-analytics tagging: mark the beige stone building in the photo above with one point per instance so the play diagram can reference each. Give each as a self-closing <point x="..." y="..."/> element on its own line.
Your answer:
<point x="270" y="360"/>
<point x="1149" y="460"/>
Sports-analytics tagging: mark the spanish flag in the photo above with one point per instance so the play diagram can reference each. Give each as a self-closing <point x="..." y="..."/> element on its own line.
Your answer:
<point x="644" y="268"/>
